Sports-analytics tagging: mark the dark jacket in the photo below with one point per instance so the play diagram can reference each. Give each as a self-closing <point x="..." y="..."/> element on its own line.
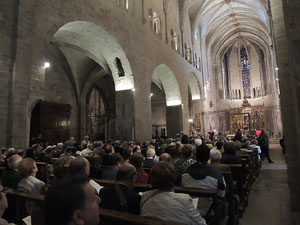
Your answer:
<point x="263" y="140"/>
<point x="200" y="171"/>
<point x="110" y="199"/>
<point x="148" y="163"/>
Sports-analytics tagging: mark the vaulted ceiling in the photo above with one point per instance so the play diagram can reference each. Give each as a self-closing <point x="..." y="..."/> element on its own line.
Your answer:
<point x="221" y="23"/>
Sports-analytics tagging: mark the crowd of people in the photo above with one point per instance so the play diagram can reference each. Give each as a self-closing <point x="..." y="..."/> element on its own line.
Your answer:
<point x="185" y="161"/>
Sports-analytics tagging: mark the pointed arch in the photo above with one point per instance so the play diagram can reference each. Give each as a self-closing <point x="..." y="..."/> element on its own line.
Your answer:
<point x="194" y="86"/>
<point x="95" y="42"/>
<point x="165" y="79"/>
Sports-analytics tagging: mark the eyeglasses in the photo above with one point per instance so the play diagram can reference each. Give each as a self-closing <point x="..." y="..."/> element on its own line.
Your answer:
<point x="4" y="190"/>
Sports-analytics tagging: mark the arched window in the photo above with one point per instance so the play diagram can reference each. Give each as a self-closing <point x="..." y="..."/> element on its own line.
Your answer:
<point x="119" y="67"/>
<point x="226" y="77"/>
<point x="245" y="73"/>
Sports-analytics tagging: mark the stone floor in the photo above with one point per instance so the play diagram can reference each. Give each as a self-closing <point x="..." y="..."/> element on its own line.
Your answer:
<point x="269" y="197"/>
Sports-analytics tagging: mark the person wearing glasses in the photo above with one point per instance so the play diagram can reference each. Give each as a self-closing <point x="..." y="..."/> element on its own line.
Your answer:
<point x="29" y="183"/>
<point x="3" y="204"/>
<point x="120" y="196"/>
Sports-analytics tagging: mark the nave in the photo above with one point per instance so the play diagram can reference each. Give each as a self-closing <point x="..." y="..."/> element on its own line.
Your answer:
<point x="269" y="201"/>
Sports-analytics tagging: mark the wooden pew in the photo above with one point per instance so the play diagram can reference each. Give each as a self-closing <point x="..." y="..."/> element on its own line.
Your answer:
<point x="107" y="216"/>
<point x="231" y="191"/>
<point x="195" y="192"/>
<point x="38" y="217"/>
<point x="112" y="217"/>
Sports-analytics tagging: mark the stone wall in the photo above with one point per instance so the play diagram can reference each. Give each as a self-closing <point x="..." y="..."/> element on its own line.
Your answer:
<point x="286" y="25"/>
<point x="40" y="20"/>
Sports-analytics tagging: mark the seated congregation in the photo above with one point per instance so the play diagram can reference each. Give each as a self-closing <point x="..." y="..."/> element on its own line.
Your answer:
<point x="164" y="181"/>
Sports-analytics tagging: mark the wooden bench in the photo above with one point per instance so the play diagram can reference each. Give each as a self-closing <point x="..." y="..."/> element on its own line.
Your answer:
<point x="38" y="217"/>
<point x="107" y="216"/>
<point x="195" y="192"/>
<point x="112" y="217"/>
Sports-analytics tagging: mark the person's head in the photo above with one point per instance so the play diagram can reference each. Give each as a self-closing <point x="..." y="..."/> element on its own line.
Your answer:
<point x="137" y="160"/>
<point x="71" y="200"/>
<point x="60" y="146"/>
<point x="3" y="200"/>
<point x="254" y="141"/>
<point x="61" y="167"/>
<point x="198" y="142"/>
<point x="165" y="157"/>
<point x="127" y="174"/>
<point x="185" y="139"/>
<point x="116" y="159"/>
<point x="237" y="145"/>
<point x="13" y="162"/>
<point x="203" y="153"/>
<point x="90" y="146"/>
<point x="163" y="175"/>
<point x="86" y="138"/>
<point x="246" y="144"/>
<point x="215" y="155"/>
<point x="108" y="149"/>
<point x="229" y="148"/>
<point x="150" y="153"/>
<point x="79" y="165"/>
<point x="127" y="152"/>
<point x="27" y="167"/>
<point x="219" y="145"/>
<point x="187" y="151"/>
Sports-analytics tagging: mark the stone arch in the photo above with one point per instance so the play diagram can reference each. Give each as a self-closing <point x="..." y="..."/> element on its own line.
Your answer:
<point x="95" y="42"/>
<point x="165" y="79"/>
<point x="194" y="86"/>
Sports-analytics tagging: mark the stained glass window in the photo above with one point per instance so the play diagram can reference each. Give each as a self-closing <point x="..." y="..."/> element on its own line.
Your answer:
<point x="245" y="73"/>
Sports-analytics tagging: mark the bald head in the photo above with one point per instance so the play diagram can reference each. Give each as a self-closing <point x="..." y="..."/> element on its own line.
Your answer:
<point x="165" y="157"/>
<point x="14" y="161"/>
<point x="126" y="172"/>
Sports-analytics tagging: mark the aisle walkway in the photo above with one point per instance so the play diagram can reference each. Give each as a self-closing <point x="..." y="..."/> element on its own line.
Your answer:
<point x="269" y="197"/>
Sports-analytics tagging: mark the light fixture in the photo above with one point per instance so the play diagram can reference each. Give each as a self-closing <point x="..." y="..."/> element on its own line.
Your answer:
<point x="133" y="89"/>
<point x="277" y="79"/>
<point x="46" y="65"/>
<point x="151" y="94"/>
<point x="276" y="68"/>
<point x="190" y="120"/>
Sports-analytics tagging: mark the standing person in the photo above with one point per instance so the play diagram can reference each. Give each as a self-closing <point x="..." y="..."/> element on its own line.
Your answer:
<point x="238" y="136"/>
<point x="263" y="142"/>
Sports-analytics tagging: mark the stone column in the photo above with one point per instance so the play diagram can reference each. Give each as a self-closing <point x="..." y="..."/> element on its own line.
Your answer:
<point x="174" y="120"/>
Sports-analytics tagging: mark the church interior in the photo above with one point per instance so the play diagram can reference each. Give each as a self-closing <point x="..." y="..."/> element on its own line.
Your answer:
<point x="140" y="69"/>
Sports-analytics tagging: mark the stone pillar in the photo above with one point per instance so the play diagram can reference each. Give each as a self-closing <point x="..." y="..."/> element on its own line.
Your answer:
<point x="286" y="17"/>
<point x="125" y="128"/>
<point x="174" y="120"/>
